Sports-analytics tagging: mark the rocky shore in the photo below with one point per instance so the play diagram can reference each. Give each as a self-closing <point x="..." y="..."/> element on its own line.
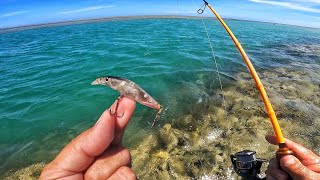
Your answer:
<point x="198" y="144"/>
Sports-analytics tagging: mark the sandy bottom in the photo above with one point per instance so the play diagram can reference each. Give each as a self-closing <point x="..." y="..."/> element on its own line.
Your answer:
<point x="198" y="145"/>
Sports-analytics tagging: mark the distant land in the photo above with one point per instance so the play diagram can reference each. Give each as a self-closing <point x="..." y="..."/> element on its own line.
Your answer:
<point x="115" y="18"/>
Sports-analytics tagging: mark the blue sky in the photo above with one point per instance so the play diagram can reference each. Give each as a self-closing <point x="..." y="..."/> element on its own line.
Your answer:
<point x="26" y="12"/>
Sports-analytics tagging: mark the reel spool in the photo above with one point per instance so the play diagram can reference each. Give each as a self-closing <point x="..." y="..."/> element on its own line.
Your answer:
<point x="246" y="164"/>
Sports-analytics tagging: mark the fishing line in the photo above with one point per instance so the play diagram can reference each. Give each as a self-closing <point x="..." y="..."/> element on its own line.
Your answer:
<point x="216" y="66"/>
<point x="283" y="149"/>
<point x="200" y="12"/>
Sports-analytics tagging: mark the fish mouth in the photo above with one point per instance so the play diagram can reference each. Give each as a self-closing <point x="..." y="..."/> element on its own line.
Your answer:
<point x="152" y="105"/>
<point x="95" y="82"/>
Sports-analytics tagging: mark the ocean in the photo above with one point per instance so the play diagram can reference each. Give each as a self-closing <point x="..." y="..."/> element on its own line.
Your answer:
<point x="46" y="98"/>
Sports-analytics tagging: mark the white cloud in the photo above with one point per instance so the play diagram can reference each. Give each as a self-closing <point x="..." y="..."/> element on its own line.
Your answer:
<point x="310" y="1"/>
<point x="91" y="8"/>
<point x="15" y="13"/>
<point x="291" y="5"/>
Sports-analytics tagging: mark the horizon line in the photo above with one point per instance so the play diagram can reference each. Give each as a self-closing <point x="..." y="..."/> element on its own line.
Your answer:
<point x="102" y="19"/>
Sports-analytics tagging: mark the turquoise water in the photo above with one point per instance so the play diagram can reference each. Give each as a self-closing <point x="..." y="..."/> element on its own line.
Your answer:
<point x="46" y="98"/>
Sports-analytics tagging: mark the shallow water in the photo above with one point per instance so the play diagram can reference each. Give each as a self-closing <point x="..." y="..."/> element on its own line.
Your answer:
<point x="46" y="97"/>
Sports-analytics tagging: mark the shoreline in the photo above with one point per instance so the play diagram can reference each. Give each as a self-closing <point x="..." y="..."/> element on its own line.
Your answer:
<point x="119" y="18"/>
<point x="92" y="20"/>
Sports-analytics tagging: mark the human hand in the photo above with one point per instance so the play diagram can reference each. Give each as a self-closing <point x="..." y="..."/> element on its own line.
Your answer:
<point x="303" y="165"/>
<point x="96" y="153"/>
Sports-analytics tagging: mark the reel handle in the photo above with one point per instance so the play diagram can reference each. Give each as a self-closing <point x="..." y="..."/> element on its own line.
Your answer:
<point x="283" y="151"/>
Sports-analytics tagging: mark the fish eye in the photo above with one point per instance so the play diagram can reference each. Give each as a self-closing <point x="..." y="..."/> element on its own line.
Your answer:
<point x="107" y="79"/>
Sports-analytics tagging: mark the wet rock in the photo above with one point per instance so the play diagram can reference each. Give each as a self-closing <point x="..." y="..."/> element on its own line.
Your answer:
<point x="172" y="138"/>
<point x="186" y="122"/>
<point x="199" y="144"/>
<point x="29" y="173"/>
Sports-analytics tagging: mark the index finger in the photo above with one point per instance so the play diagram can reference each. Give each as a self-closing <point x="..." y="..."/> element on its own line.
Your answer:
<point x="300" y="152"/>
<point x="126" y="107"/>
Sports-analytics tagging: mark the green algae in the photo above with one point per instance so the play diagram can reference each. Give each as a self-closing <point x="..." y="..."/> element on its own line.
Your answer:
<point x="28" y="173"/>
<point x="198" y="145"/>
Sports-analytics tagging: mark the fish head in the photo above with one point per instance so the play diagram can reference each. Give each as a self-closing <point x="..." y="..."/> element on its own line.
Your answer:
<point x="152" y="103"/>
<point x="102" y="81"/>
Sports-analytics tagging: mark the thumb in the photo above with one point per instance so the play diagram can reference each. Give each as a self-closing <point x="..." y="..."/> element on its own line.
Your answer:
<point x="296" y="169"/>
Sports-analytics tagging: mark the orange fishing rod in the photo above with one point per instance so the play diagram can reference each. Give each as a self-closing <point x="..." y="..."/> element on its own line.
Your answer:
<point x="283" y="150"/>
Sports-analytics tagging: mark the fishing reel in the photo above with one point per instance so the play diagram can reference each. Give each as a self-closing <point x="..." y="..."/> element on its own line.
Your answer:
<point x="247" y="165"/>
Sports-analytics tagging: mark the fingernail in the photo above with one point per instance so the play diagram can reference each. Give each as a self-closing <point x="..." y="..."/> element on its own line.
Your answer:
<point x="101" y="117"/>
<point x="289" y="161"/>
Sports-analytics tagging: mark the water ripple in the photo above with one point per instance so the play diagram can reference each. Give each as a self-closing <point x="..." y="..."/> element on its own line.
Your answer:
<point x="45" y="74"/>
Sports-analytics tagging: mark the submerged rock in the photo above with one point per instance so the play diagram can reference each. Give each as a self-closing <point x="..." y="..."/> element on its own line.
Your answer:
<point x="29" y="173"/>
<point x="199" y="144"/>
